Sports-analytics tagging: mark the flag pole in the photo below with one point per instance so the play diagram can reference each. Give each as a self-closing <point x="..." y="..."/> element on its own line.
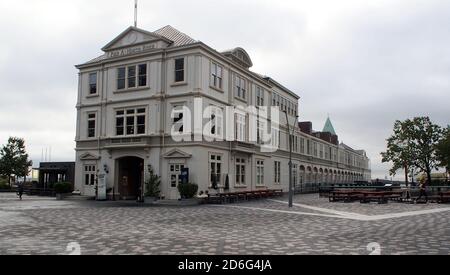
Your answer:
<point x="135" y="12"/>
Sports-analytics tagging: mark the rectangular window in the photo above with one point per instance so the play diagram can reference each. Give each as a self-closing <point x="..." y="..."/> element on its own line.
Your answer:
<point x="240" y="128"/>
<point x="216" y="75"/>
<point x="175" y="175"/>
<point x="132" y="77"/>
<point x="259" y="173"/>
<point x="178" y="119"/>
<point x="121" y="75"/>
<point x="274" y="99"/>
<point x="240" y="88"/>
<point x="259" y="96"/>
<point x="308" y="147"/>
<point x="179" y="70"/>
<point x="277" y="172"/>
<point x="131" y="122"/>
<point x="275" y="138"/>
<point x="93" y="83"/>
<point x="142" y="75"/>
<point x="91" y="125"/>
<point x="240" y="171"/>
<point x="215" y="164"/>
<point x="302" y="145"/>
<point x="90" y="175"/>
<point x="216" y="122"/>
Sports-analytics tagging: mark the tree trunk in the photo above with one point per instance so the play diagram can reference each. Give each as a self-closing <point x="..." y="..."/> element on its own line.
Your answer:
<point x="406" y="176"/>
<point x="429" y="175"/>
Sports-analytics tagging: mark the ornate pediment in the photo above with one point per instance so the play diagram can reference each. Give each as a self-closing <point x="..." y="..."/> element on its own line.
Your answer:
<point x="177" y="154"/>
<point x="134" y="40"/>
<point x="239" y="55"/>
<point x="88" y="156"/>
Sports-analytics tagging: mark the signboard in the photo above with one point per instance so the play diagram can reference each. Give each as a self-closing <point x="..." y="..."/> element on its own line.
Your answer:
<point x="131" y="50"/>
<point x="101" y="188"/>
<point x="185" y="175"/>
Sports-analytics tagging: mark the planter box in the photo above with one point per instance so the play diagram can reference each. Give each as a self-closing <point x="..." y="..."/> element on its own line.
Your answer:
<point x="184" y="202"/>
<point x="150" y="200"/>
<point x="61" y="197"/>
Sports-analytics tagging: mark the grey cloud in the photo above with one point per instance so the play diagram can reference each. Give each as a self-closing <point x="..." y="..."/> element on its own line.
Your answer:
<point x="366" y="66"/>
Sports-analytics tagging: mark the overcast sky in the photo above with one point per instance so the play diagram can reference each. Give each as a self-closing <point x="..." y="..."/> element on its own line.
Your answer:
<point x="366" y="63"/>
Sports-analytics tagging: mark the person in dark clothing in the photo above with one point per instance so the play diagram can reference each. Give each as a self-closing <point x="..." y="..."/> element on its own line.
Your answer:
<point x="20" y="190"/>
<point x="423" y="191"/>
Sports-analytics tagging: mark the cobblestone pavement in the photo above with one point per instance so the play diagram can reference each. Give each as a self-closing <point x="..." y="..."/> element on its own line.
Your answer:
<point x="313" y="226"/>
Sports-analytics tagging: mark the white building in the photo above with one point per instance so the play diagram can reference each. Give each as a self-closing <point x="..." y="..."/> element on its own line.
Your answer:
<point x="126" y="98"/>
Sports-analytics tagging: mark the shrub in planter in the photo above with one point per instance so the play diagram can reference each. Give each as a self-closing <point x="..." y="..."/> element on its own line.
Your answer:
<point x="62" y="187"/>
<point x="152" y="185"/>
<point x="4" y="186"/>
<point x="188" y="191"/>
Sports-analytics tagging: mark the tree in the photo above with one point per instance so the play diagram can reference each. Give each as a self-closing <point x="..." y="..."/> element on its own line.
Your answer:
<point x="425" y="136"/>
<point x="14" y="159"/>
<point x="443" y="151"/>
<point x="399" y="149"/>
<point x="413" y="144"/>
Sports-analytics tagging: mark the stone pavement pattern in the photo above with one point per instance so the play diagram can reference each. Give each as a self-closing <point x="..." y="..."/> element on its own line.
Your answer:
<point x="46" y="226"/>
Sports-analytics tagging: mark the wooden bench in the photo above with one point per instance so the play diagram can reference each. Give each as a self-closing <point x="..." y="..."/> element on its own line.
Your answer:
<point x="378" y="196"/>
<point x="344" y="195"/>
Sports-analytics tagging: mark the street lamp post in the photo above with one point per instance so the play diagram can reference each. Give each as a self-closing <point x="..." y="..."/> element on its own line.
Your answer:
<point x="291" y="191"/>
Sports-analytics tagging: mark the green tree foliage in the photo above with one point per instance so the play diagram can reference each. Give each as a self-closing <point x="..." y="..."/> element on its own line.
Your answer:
<point x="443" y="150"/>
<point x="413" y="144"/>
<point x="399" y="149"/>
<point x="152" y="184"/>
<point x="14" y="159"/>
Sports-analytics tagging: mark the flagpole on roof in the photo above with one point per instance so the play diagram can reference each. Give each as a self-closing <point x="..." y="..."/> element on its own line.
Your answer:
<point x="135" y="12"/>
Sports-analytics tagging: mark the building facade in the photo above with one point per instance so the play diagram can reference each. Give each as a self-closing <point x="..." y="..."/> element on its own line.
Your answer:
<point x="136" y="95"/>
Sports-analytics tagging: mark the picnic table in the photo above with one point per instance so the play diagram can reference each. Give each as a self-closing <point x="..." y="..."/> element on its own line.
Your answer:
<point x="381" y="197"/>
<point x="344" y="195"/>
<point x="231" y="197"/>
<point x="365" y="196"/>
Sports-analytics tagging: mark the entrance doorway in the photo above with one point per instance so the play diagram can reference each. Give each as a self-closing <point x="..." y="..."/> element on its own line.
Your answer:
<point x="131" y="177"/>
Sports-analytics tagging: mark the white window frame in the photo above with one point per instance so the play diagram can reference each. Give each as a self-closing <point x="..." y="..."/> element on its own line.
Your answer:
<point x="175" y="173"/>
<point x="90" y="119"/>
<point x="179" y="70"/>
<point x="89" y="174"/>
<point x="277" y="172"/>
<point x="178" y="109"/>
<point x="217" y="122"/>
<point x="260" y="173"/>
<point x="241" y="123"/>
<point x="135" y="125"/>
<point x="136" y="77"/>
<point x="216" y="164"/>
<point x="259" y="96"/>
<point x="240" y="87"/>
<point x="216" y="76"/>
<point x="93" y="84"/>
<point x="241" y="170"/>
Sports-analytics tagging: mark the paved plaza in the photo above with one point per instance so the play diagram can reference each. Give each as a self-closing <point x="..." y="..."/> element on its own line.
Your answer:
<point x="313" y="226"/>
